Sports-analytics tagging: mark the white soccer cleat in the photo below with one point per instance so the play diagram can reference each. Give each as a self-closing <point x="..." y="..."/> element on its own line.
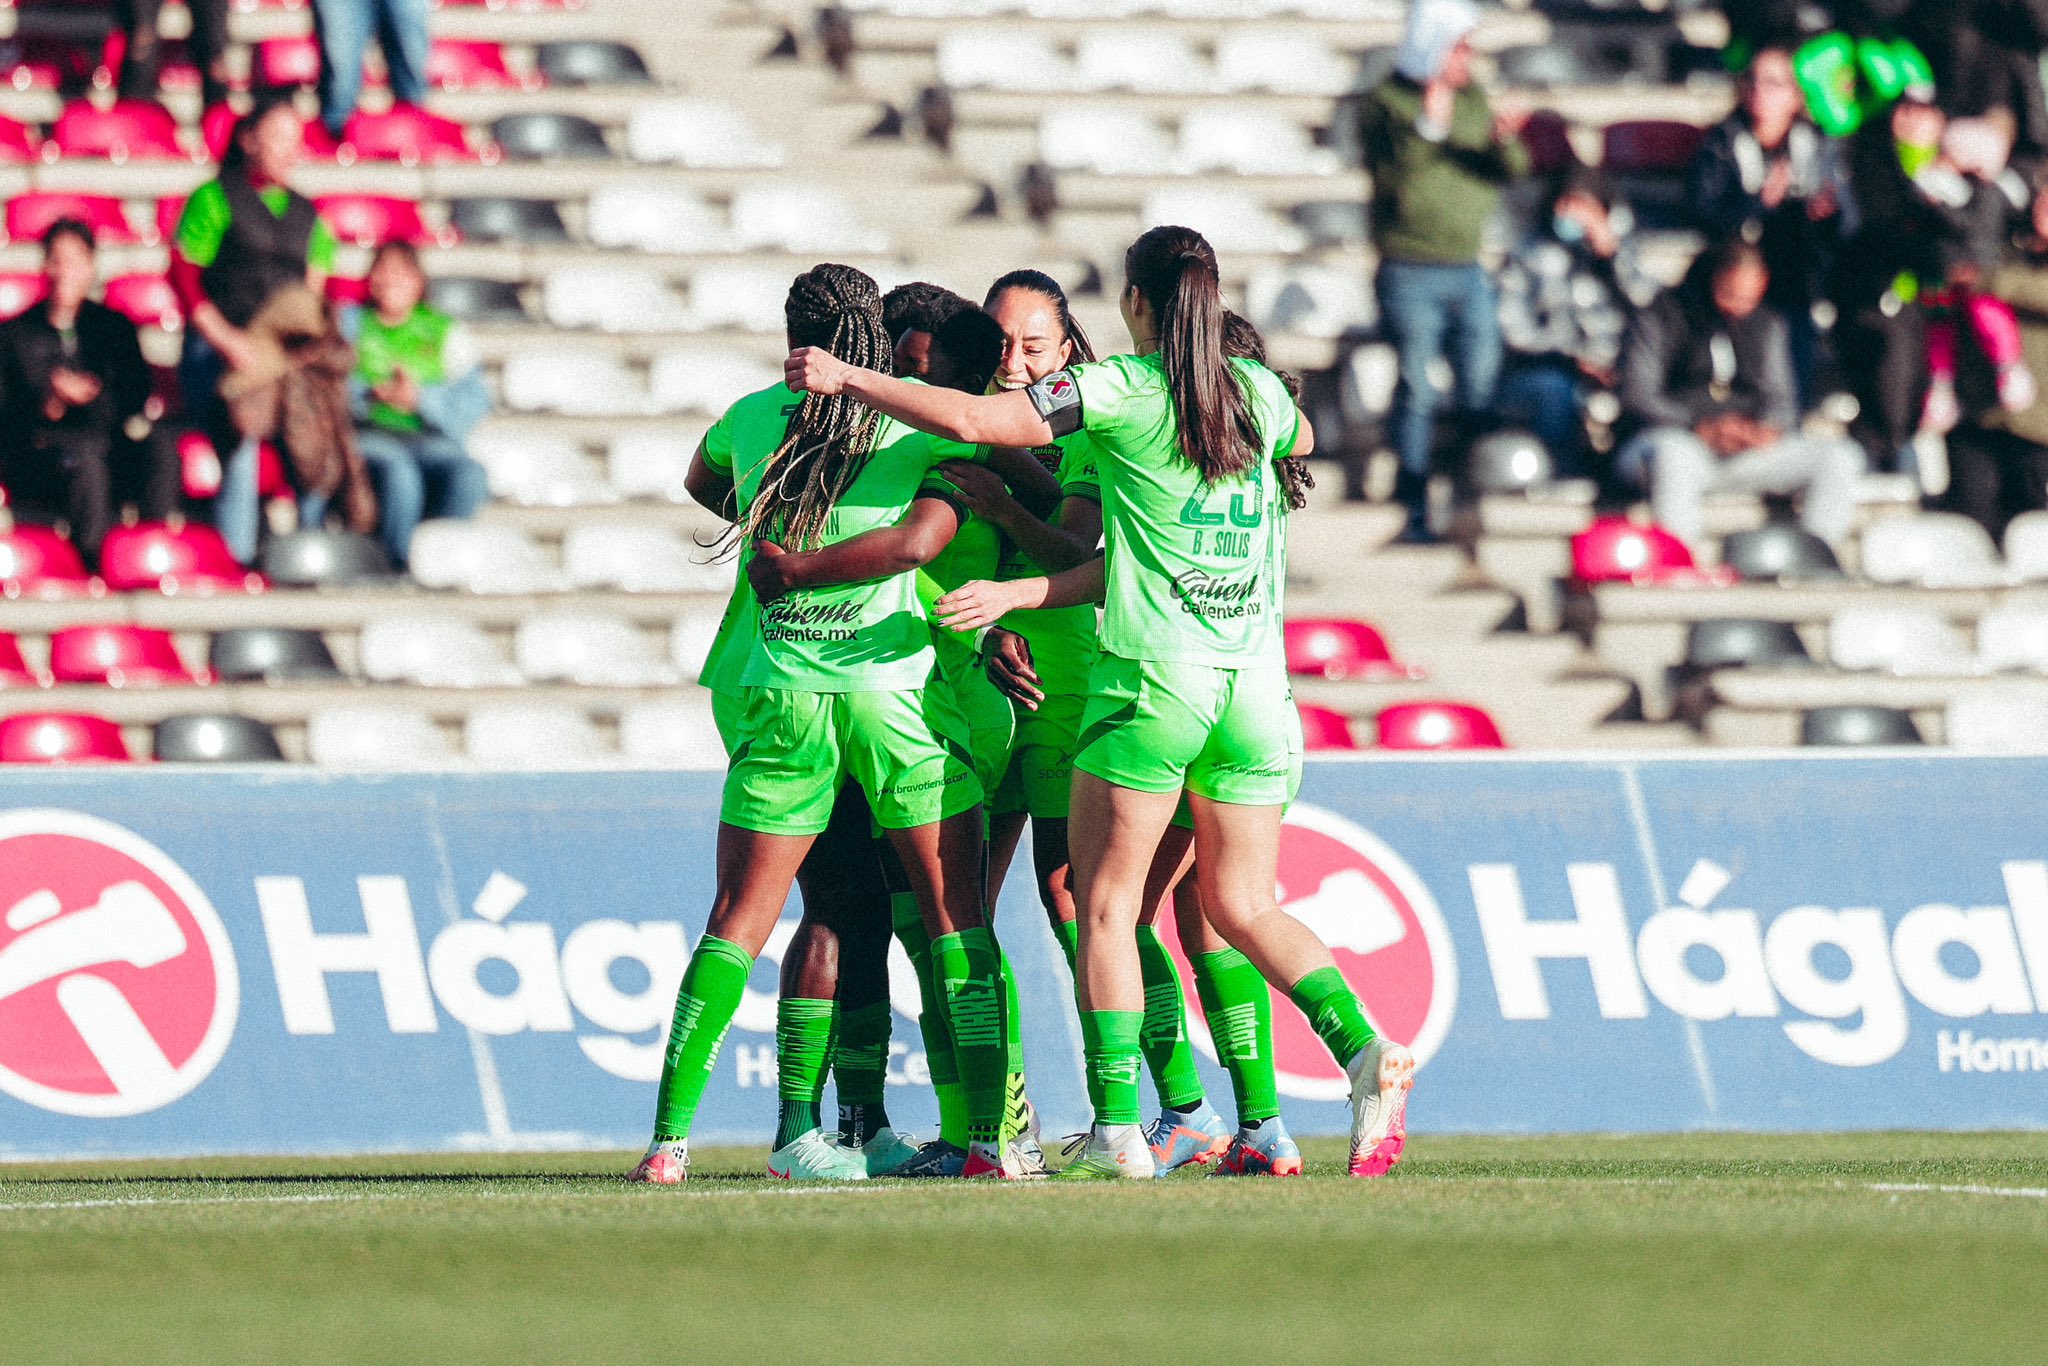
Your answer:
<point x="1112" y="1152"/>
<point x="817" y="1156"/>
<point x="666" y="1164"/>
<point x="1381" y="1075"/>
<point x="887" y="1151"/>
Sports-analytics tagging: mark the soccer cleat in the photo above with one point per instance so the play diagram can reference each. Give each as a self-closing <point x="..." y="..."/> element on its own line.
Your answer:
<point x="1024" y="1157"/>
<point x="1381" y="1075"/>
<point x="936" y="1158"/>
<point x="666" y="1164"/>
<point x="888" y="1151"/>
<point x="1112" y="1152"/>
<point x="987" y="1161"/>
<point x="1179" y="1137"/>
<point x="817" y="1156"/>
<point x="1263" y="1149"/>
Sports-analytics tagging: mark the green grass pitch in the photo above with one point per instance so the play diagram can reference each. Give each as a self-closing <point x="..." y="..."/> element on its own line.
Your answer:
<point x="1706" y="1248"/>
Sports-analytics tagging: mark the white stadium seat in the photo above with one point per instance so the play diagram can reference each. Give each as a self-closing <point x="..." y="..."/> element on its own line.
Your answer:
<point x="1080" y="137"/>
<point x="1282" y="62"/>
<point x="528" y="735"/>
<point x="479" y="557"/>
<point x="596" y="651"/>
<point x="656" y="218"/>
<point x="2007" y="719"/>
<point x="689" y="642"/>
<point x="641" y="559"/>
<point x="650" y="464"/>
<point x="1312" y="300"/>
<point x="1147" y="60"/>
<point x="702" y="379"/>
<point x="540" y="471"/>
<point x="1932" y="550"/>
<point x="1249" y="143"/>
<point x="1003" y="59"/>
<point x="801" y="217"/>
<point x="744" y="298"/>
<point x="2013" y="636"/>
<point x="376" y="736"/>
<point x="1899" y="640"/>
<point x="435" y="651"/>
<point x="677" y="733"/>
<point x="1230" y="219"/>
<point x="700" y="133"/>
<point x="2026" y="547"/>
<point x="565" y="379"/>
<point x="612" y="299"/>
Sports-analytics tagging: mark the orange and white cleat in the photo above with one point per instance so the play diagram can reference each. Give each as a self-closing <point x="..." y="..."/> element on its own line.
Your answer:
<point x="1381" y="1075"/>
<point x="1262" y="1149"/>
<point x="666" y="1164"/>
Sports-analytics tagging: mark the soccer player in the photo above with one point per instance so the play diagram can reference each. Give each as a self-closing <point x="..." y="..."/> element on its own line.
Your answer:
<point x="836" y="688"/>
<point x="1191" y="691"/>
<point x="913" y="314"/>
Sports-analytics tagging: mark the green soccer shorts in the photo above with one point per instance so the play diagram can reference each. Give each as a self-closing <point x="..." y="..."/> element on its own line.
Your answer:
<point x="1040" y="779"/>
<point x="1185" y="818"/>
<point x="991" y="724"/>
<point x="795" y="750"/>
<point x="1222" y="734"/>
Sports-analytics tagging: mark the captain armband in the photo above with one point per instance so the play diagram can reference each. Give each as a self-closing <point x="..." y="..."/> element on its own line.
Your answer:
<point x="1058" y="401"/>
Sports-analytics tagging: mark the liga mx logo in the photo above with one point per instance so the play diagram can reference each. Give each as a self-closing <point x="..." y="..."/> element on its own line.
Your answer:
<point x="118" y="989"/>
<point x="1385" y="932"/>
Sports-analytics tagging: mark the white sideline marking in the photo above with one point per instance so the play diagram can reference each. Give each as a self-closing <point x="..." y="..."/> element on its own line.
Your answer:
<point x="2022" y="1192"/>
<point x="349" y="1197"/>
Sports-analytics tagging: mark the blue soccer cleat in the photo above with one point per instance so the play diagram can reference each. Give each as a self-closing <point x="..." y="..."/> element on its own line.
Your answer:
<point x="1264" y="1149"/>
<point x="1179" y="1137"/>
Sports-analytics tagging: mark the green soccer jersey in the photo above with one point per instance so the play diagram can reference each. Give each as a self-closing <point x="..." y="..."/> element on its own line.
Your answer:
<point x="973" y="553"/>
<point x="1195" y="571"/>
<point x="1062" y="639"/>
<point x="855" y="637"/>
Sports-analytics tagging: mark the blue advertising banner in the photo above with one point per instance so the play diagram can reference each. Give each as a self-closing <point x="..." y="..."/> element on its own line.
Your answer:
<point x="285" y="961"/>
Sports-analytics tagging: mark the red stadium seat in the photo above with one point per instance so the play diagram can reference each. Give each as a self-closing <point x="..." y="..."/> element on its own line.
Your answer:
<point x="317" y="144"/>
<point x="175" y="68"/>
<point x="19" y="291"/>
<point x="199" y="465"/>
<point x="18" y="143"/>
<point x="14" y="670"/>
<point x="463" y="64"/>
<point x="145" y="300"/>
<point x="370" y="220"/>
<point x="50" y="737"/>
<point x="1548" y="138"/>
<point x="1337" y="648"/>
<point x="154" y="556"/>
<point x="1616" y="550"/>
<point x="43" y="62"/>
<point x="168" y="212"/>
<point x="119" y="655"/>
<point x="285" y="62"/>
<point x="29" y="216"/>
<point x="343" y="289"/>
<point x="1323" y="729"/>
<point x="126" y="130"/>
<point x="410" y="135"/>
<point x="1437" y="725"/>
<point x="216" y="125"/>
<point x="36" y="562"/>
<point x="1650" y="146"/>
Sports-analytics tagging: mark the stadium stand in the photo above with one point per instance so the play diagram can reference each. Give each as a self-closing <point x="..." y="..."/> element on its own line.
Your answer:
<point x="616" y="213"/>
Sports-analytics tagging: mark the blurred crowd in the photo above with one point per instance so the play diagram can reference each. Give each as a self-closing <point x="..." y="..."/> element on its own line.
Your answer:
<point x="1873" y="294"/>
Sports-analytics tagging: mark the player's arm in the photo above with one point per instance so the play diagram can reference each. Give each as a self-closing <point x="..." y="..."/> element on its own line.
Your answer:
<point x="912" y="543"/>
<point x="1035" y="488"/>
<point x="1304" y="437"/>
<point x="1069" y="539"/>
<point x="1011" y="418"/>
<point x="708" y="485"/>
<point x="983" y="602"/>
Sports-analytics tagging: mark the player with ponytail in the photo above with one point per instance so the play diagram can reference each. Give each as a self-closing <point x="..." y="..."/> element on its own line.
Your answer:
<point x="1190" y="694"/>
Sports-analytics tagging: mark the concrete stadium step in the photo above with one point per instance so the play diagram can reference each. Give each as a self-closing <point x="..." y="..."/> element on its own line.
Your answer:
<point x="339" y="610"/>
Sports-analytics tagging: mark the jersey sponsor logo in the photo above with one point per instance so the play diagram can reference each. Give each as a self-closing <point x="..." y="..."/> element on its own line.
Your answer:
<point x="790" y="619"/>
<point x="118" y="986"/>
<point x="1205" y="595"/>
<point x="1384" y="930"/>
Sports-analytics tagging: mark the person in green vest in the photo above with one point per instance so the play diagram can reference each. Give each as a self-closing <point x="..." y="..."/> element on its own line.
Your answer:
<point x="418" y="392"/>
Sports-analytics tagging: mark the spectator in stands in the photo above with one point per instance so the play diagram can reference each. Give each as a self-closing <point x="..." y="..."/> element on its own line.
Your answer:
<point x="1566" y="292"/>
<point x="1767" y="174"/>
<point x="1998" y="454"/>
<point x="1440" y="155"/>
<point x="1709" y="403"/>
<point x="243" y="238"/>
<point x="418" y="392"/>
<point x="912" y="315"/>
<point x="142" y="63"/>
<point x="345" y="28"/>
<point x="74" y="437"/>
<point x="1985" y="57"/>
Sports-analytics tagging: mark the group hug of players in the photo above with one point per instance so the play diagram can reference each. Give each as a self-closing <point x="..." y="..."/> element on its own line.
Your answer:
<point x="891" y="502"/>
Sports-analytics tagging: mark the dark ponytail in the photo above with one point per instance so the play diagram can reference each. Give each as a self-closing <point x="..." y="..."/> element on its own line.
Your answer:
<point x="1039" y="283"/>
<point x="1174" y="270"/>
<point x="1243" y="341"/>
